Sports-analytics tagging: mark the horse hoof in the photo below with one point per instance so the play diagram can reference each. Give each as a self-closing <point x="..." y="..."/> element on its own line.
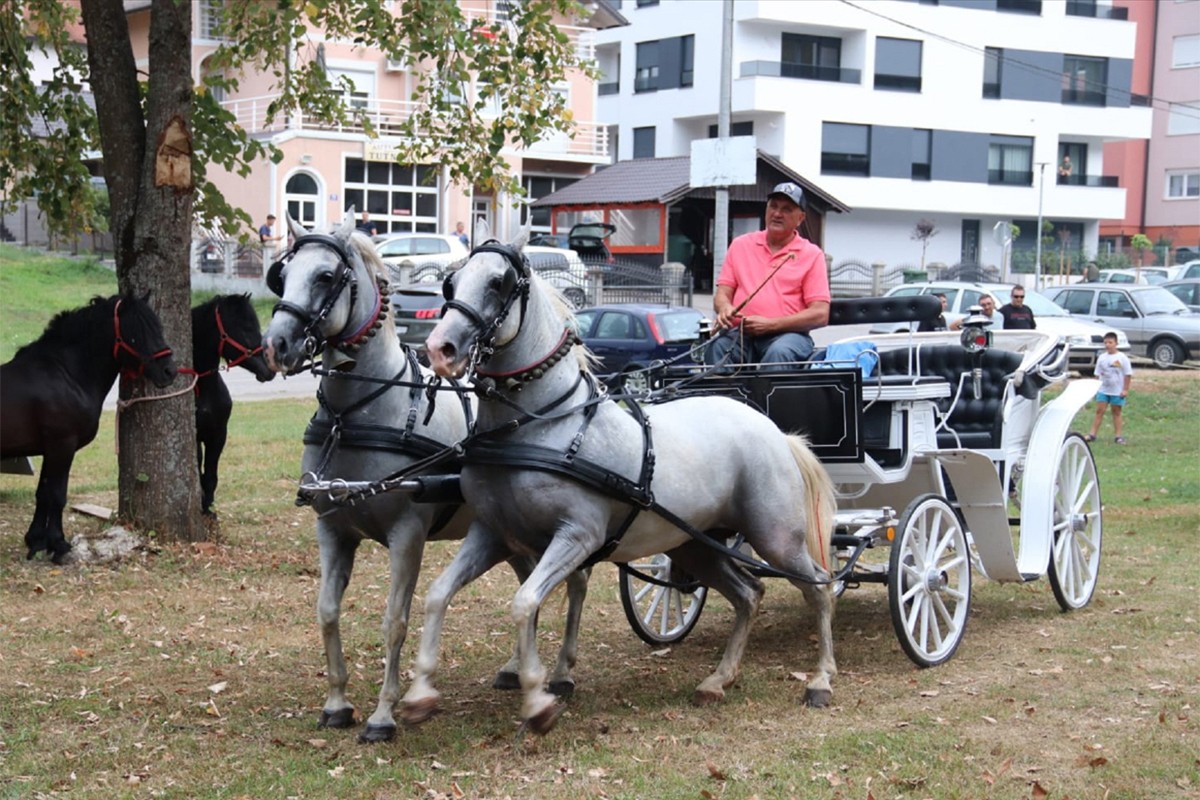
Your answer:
<point x="506" y="682"/>
<point x="564" y="688"/>
<point x="60" y="556"/>
<point x="342" y="718"/>
<point x="706" y="697"/>
<point x="817" y="698"/>
<point x="415" y="713"/>
<point x="377" y="733"/>
<point x="543" y="722"/>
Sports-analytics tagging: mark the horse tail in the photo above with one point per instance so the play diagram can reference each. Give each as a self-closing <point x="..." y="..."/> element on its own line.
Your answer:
<point x="822" y="506"/>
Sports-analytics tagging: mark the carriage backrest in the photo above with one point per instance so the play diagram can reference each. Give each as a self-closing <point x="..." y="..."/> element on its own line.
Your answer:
<point x="863" y="310"/>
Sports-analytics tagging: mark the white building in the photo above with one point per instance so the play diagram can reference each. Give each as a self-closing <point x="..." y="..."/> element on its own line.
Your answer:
<point x="957" y="111"/>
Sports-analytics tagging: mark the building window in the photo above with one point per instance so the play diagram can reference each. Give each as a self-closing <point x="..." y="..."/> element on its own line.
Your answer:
<point x="813" y="57"/>
<point x="687" y="59"/>
<point x="922" y="153"/>
<point x="845" y="149"/>
<point x="1185" y="51"/>
<point x="897" y="64"/>
<point x="536" y="187"/>
<point x="1010" y="160"/>
<point x="1183" y="118"/>
<point x="993" y="67"/>
<point x="1182" y="185"/>
<point x="1084" y="80"/>
<point x="1076" y="167"/>
<point x="646" y="78"/>
<point x="735" y="129"/>
<point x="401" y="198"/>
<point x="643" y="142"/>
<point x="210" y="19"/>
<point x="1020" y="6"/>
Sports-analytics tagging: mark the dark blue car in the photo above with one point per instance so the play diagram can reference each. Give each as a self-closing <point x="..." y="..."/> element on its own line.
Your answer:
<point x="627" y="337"/>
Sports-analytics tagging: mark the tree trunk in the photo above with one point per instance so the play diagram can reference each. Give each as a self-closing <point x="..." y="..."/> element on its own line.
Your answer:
<point x="147" y="164"/>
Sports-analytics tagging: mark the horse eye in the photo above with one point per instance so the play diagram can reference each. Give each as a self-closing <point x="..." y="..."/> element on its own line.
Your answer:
<point x="325" y="277"/>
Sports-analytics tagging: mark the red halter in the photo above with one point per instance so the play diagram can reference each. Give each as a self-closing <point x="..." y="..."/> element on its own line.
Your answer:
<point x="120" y="344"/>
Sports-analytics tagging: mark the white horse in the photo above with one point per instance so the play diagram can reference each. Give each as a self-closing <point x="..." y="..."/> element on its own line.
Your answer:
<point x="559" y="473"/>
<point x="371" y="424"/>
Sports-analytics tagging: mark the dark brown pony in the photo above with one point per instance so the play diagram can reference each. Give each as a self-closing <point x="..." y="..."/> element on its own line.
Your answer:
<point x="52" y="392"/>
<point x="225" y="327"/>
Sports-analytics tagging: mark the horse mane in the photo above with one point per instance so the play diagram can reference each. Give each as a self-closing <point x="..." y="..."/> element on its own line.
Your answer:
<point x="566" y="312"/>
<point x="77" y="325"/>
<point x="362" y="245"/>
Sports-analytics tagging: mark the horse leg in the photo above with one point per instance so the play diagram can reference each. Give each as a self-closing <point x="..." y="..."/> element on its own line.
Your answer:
<point x="562" y="682"/>
<point x="208" y="471"/>
<point x="337" y="562"/>
<point x="743" y="591"/>
<point x="479" y="552"/>
<point x="404" y="553"/>
<point x="819" y="691"/>
<point x="46" y="532"/>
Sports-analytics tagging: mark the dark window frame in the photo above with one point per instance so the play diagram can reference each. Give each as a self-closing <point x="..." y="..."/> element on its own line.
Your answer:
<point x="1079" y="89"/>
<point x="993" y="55"/>
<point x="898" y="81"/>
<point x="648" y="130"/>
<point x="646" y="67"/>
<point x="1008" y="147"/>
<point x="846" y="160"/>
<point x="814" y="57"/>
<point x="922" y="167"/>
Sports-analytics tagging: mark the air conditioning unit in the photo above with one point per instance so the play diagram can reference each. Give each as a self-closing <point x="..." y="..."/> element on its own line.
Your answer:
<point x="395" y="65"/>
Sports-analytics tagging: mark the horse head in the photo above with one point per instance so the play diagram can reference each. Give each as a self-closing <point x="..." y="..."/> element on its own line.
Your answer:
<point x="481" y="296"/>
<point x="139" y="347"/>
<point x="331" y="301"/>
<point x="240" y="342"/>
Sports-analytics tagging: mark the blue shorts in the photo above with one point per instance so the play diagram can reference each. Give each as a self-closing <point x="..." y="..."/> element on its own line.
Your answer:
<point x="1111" y="399"/>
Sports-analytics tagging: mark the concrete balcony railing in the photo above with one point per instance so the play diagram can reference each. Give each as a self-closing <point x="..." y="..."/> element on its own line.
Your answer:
<point x="589" y="143"/>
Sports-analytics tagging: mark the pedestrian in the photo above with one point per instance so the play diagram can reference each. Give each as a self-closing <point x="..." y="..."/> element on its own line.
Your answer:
<point x="987" y="306"/>
<point x="367" y="226"/>
<point x="1115" y="374"/>
<point x="460" y="230"/>
<point x="773" y="289"/>
<point x="1017" y="315"/>
<point x="267" y="238"/>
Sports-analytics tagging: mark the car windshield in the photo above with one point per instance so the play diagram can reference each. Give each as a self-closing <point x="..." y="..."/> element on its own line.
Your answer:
<point x="1040" y="305"/>
<point x="1157" y="300"/>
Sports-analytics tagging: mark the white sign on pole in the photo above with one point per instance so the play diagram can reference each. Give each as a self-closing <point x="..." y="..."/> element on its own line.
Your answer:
<point x="724" y="162"/>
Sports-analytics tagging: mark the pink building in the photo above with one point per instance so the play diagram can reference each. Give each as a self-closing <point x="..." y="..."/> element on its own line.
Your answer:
<point x="1161" y="175"/>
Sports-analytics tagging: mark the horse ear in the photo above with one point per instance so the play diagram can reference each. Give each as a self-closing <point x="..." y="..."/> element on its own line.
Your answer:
<point x="296" y="228"/>
<point x="483" y="231"/>
<point x="347" y="227"/>
<point x="522" y="239"/>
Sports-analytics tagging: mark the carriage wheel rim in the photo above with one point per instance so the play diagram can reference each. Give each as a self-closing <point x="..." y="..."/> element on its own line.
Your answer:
<point x="1078" y="519"/>
<point x="664" y="613"/>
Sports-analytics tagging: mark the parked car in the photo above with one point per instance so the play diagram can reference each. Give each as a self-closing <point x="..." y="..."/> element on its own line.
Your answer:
<point x="1186" y="290"/>
<point x="1085" y="338"/>
<point x="561" y="240"/>
<point x="588" y="239"/>
<point x="417" y="308"/>
<point x="627" y="337"/>
<point x="562" y="269"/>
<point x="1157" y="322"/>
<point x="1189" y="270"/>
<point x="424" y="256"/>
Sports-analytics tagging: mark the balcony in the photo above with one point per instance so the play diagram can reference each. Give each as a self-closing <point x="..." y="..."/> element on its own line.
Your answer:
<point x="1090" y="8"/>
<point x="589" y="143"/>
<point x="1105" y="181"/>
<point x="776" y="69"/>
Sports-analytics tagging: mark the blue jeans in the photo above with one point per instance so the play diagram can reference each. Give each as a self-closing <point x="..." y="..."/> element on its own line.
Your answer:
<point x="783" y="348"/>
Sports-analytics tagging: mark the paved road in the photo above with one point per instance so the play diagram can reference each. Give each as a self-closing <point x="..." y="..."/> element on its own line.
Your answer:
<point x="244" y="386"/>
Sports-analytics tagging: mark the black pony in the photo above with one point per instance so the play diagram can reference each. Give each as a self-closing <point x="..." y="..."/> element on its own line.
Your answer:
<point x="224" y="327"/>
<point x="52" y="392"/>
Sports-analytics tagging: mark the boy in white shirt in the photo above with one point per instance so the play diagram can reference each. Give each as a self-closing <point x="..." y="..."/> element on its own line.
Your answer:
<point x="1115" y="374"/>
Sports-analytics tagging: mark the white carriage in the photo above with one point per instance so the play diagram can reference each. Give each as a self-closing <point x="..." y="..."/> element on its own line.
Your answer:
<point x="949" y="453"/>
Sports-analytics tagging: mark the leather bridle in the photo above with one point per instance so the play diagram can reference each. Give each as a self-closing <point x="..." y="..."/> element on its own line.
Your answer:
<point x="119" y="345"/>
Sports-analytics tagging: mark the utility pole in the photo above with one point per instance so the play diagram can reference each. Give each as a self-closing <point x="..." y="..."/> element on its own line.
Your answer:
<point x="1037" y="265"/>
<point x="721" y="213"/>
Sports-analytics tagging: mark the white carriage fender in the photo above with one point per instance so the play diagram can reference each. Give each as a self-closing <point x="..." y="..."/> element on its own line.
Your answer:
<point x="984" y="506"/>
<point x="1041" y="465"/>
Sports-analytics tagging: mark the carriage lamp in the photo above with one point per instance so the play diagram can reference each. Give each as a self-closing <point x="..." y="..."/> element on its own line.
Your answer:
<point x="976" y="338"/>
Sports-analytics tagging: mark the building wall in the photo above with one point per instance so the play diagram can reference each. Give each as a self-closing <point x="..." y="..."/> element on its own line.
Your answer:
<point x="789" y="114"/>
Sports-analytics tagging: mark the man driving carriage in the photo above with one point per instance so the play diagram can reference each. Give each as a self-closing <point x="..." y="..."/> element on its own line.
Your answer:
<point x="773" y="289"/>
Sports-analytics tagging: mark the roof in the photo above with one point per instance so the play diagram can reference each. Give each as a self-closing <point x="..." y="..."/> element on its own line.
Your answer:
<point x="667" y="180"/>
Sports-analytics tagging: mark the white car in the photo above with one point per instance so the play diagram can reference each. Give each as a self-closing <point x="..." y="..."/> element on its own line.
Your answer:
<point x="1085" y="338"/>
<point x="419" y="257"/>
<point x="562" y="269"/>
<point x="1144" y="276"/>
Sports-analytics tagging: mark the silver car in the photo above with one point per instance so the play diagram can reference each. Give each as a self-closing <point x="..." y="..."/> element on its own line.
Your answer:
<point x="1085" y="338"/>
<point x="1157" y="322"/>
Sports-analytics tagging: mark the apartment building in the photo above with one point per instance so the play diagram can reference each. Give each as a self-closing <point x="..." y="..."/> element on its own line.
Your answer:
<point x="326" y="169"/>
<point x="956" y="111"/>
<point x="1162" y="173"/>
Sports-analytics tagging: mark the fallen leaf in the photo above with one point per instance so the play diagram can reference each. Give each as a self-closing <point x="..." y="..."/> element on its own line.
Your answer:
<point x="990" y="720"/>
<point x="39" y="589"/>
<point x="930" y="693"/>
<point x="318" y="742"/>
<point x="799" y="676"/>
<point x="217" y="688"/>
<point x="988" y="778"/>
<point x="713" y="772"/>
<point x="1038" y="793"/>
<point x="336" y="772"/>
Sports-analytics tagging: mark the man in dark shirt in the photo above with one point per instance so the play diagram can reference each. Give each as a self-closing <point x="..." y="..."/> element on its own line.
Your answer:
<point x="1017" y="315"/>
<point x="938" y="323"/>
<point x="367" y="226"/>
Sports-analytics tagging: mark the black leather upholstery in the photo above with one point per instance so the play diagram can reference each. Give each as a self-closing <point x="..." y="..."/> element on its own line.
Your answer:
<point x="912" y="308"/>
<point x="977" y="422"/>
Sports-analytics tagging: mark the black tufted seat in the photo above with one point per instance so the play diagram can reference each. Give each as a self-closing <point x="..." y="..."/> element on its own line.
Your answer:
<point x="977" y="422"/>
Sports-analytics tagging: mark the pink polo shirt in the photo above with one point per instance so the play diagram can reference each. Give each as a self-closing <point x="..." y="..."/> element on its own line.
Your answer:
<point x="798" y="283"/>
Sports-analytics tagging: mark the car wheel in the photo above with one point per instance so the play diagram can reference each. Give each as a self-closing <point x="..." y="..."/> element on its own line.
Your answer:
<point x="1166" y="353"/>
<point x="576" y="297"/>
<point x="635" y="380"/>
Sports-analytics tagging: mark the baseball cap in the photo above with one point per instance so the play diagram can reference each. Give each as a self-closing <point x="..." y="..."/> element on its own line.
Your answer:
<point x="789" y="190"/>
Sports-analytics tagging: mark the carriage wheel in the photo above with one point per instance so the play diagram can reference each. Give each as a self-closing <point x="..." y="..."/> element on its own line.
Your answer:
<point x="660" y="614"/>
<point x="1075" y="559"/>
<point x="929" y="581"/>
